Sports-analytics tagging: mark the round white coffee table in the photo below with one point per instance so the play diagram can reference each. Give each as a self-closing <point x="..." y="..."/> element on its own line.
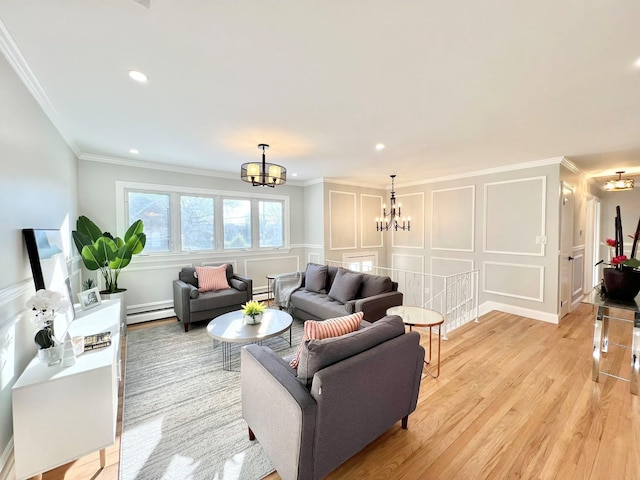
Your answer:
<point x="421" y="317"/>
<point x="229" y="328"/>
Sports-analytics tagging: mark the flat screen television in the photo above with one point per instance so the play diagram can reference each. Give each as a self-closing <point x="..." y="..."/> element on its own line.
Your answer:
<point x="49" y="269"/>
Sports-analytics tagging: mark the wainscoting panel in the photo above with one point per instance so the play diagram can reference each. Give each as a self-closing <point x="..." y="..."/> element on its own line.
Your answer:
<point x="370" y="209"/>
<point x="258" y="269"/>
<point x="514" y="214"/>
<point x="578" y="277"/>
<point x="149" y="287"/>
<point x="342" y="220"/>
<point x="514" y="280"/>
<point x="412" y="206"/>
<point x="453" y="218"/>
<point x="450" y="266"/>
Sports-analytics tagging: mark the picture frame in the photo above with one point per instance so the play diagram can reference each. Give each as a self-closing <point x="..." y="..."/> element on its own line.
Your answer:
<point x="46" y="251"/>
<point x="89" y="298"/>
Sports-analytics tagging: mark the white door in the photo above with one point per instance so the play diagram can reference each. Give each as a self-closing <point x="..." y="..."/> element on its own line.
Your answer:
<point x="566" y="248"/>
<point x="592" y="244"/>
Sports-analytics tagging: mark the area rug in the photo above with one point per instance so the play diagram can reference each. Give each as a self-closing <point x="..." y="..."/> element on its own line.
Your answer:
<point x="182" y="414"/>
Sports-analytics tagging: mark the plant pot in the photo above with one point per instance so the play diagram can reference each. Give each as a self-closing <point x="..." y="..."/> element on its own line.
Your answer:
<point x="51" y="355"/>
<point x="123" y="307"/>
<point x="249" y="320"/>
<point x="621" y="284"/>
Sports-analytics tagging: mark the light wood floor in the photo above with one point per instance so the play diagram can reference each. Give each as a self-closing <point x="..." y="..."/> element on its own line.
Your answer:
<point x="514" y="400"/>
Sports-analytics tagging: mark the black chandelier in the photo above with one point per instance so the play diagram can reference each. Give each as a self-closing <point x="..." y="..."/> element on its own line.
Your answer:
<point x="392" y="219"/>
<point x="263" y="174"/>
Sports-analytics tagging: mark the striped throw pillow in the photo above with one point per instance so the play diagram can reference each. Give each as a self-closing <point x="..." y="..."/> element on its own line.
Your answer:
<point x="212" y="278"/>
<point x="333" y="327"/>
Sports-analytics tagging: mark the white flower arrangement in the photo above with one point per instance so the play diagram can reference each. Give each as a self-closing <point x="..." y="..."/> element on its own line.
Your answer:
<point x="46" y="303"/>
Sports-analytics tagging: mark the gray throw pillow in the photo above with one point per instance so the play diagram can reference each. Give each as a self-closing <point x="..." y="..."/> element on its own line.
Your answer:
<point x="318" y="354"/>
<point x="315" y="278"/>
<point x="375" y="285"/>
<point x="345" y="286"/>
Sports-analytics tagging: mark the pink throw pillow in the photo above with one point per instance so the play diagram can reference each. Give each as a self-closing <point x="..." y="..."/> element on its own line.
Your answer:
<point x="333" y="327"/>
<point x="212" y="278"/>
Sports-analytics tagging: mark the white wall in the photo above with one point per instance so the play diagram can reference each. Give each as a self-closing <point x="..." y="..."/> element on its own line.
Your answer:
<point x="38" y="189"/>
<point x="487" y="222"/>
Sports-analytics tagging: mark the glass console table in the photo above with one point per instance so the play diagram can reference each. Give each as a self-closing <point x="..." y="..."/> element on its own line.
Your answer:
<point x="601" y="335"/>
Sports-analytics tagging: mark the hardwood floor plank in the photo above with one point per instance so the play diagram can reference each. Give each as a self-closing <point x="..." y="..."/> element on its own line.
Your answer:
<point x="514" y="400"/>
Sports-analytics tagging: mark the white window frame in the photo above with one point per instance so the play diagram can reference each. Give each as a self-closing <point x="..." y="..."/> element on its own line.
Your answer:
<point x="174" y="191"/>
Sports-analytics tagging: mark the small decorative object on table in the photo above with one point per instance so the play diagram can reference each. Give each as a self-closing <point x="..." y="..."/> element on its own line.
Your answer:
<point x="252" y="312"/>
<point x="621" y="281"/>
<point x="46" y="303"/>
<point x="99" y="340"/>
<point x="89" y="298"/>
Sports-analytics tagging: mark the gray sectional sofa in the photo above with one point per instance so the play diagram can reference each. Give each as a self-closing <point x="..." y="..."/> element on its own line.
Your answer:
<point x="328" y="292"/>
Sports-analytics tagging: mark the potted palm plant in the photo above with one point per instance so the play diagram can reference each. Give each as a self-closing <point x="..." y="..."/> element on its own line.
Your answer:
<point x="108" y="254"/>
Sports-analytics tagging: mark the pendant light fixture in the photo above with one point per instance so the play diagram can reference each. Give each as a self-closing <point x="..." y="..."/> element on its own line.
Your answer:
<point x="391" y="220"/>
<point x="619" y="184"/>
<point x="263" y="174"/>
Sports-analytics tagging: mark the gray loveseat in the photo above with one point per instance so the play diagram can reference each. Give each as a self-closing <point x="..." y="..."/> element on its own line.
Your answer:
<point x="191" y="305"/>
<point x="347" y="392"/>
<point x="329" y="292"/>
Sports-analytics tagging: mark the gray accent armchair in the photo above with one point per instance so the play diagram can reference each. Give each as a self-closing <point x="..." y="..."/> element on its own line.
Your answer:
<point x="347" y="392"/>
<point x="191" y="305"/>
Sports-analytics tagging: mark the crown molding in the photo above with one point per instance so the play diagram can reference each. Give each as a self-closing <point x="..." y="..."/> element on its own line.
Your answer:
<point x="19" y="64"/>
<point x="488" y="171"/>
<point x="90" y="157"/>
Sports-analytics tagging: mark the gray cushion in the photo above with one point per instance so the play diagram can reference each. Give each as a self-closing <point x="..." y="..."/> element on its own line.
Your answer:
<point x="346" y="285"/>
<point x="238" y="284"/>
<point x="217" y="299"/>
<point x="315" y="278"/>
<point x="318" y="354"/>
<point x="374" y="285"/>
<point x="319" y="305"/>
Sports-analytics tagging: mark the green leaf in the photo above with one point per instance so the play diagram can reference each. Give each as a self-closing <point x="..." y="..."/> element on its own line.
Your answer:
<point x="136" y="228"/>
<point x="92" y="257"/>
<point x="137" y="242"/>
<point x="87" y="227"/>
<point x="631" y="262"/>
<point x="81" y="240"/>
<point x="122" y="259"/>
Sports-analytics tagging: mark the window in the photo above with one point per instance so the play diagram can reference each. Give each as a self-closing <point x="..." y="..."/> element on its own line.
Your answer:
<point x="153" y="210"/>
<point x="183" y="219"/>
<point x="237" y="223"/>
<point x="271" y="224"/>
<point x="197" y="223"/>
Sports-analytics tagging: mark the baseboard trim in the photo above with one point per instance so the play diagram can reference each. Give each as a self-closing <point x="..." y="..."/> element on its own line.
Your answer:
<point x="148" y="316"/>
<point x="6" y="461"/>
<point x="489" y="306"/>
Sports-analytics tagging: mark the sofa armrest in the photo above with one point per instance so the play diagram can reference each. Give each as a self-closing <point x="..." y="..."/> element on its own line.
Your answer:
<point x="279" y="410"/>
<point x="375" y="307"/>
<point x="247" y="281"/>
<point x="181" y="299"/>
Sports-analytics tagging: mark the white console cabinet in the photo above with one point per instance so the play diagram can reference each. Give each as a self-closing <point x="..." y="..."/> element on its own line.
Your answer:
<point x="61" y="414"/>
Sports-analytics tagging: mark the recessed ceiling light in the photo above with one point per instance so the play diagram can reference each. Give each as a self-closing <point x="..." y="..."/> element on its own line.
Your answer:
<point x="138" y="76"/>
<point x="294" y="174"/>
<point x="135" y="151"/>
<point x="379" y="146"/>
<point x="637" y="63"/>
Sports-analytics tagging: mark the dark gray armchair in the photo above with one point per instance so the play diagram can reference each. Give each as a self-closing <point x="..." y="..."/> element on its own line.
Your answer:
<point x="346" y="392"/>
<point x="191" y="305"/>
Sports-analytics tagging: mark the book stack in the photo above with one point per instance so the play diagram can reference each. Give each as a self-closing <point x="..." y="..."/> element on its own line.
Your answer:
<point x="98" y="340"/>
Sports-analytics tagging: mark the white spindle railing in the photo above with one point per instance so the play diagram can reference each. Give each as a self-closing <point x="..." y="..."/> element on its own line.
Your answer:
<point x="454" y="296"/>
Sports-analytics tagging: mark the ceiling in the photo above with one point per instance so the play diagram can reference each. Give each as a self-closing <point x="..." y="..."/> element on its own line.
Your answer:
<point x="448" y="86"/>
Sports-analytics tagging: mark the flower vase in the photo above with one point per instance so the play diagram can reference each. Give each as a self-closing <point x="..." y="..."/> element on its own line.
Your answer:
<point x="51" y="356"/>
<point x="249" y="320"/>
<point x="621" y="283"/>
